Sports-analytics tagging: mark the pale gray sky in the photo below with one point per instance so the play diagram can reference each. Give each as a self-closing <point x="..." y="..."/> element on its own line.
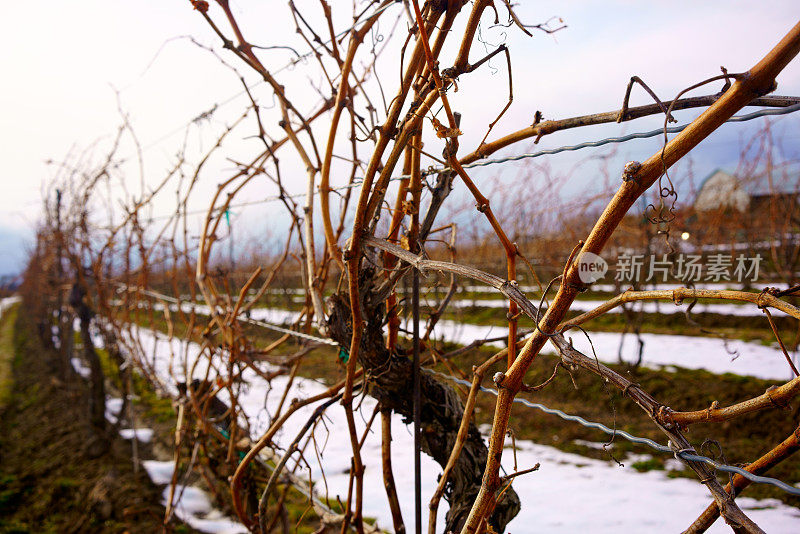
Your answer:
<point x="60" y="61"/>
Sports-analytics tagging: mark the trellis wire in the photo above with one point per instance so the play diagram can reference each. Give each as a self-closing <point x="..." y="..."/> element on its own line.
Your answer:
<point x="621" y="139"/>
<point x="256" y="322"/>
<point x="550" y="151"/>
<point x="684" y="455"/>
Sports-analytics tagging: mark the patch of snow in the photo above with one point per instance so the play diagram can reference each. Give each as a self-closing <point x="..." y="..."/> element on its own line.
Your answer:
<point x="144" y="435"/>
<point x="81" y="368"/>
<point x="660" y="350"/>
<point x="632" y="458"/>
<point x="193" y="501"/>
<point x="195" y="509"/>
<point x="663" y="307"/>
<point x="600" y="445"/>
<point x="692" y="352"/>
<point x="611" y="288"/>
<point x="160" y="472"/>
<point x="193" y="505"/>
<point x="614" y="499"/>
<point x="673" y="464"/>
<point x="113" y="406"/>
<point x="55" y="337"/>
<point x="7" y="302"/>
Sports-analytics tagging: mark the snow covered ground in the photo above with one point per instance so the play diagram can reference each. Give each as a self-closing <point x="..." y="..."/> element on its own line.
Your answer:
<point x="742" y="310"/>
<point x="665" y="307"/>
<point x="194" y="506"/>
<point x="660" y="350"/>
<point x="609" y="498"/>
<point x="610" y="288"/>
<point x="568" y="493"/>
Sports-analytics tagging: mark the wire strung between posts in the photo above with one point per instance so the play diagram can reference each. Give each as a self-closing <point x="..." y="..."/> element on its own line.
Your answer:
<point x="566" y="148"/>
<point x="684" y="455"/>
<point x="295" y="333"/>
<point x="266" y="200"/>
<point x="256" y="322"/>
<point x="624" y="138"/>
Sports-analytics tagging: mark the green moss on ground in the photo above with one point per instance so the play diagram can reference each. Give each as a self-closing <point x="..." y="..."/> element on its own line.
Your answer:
<point x="7" y="354"/>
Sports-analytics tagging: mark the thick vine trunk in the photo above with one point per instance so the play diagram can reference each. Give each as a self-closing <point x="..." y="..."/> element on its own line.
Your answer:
<point x="97" y="397"/>
<point x="391" y="383"/>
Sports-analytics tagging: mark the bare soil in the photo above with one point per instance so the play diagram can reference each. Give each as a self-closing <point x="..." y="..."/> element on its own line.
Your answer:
<point x="48" y="480"/>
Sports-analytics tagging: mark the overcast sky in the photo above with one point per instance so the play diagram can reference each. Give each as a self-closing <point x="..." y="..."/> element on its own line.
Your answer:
<point x="62" y="62"/>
